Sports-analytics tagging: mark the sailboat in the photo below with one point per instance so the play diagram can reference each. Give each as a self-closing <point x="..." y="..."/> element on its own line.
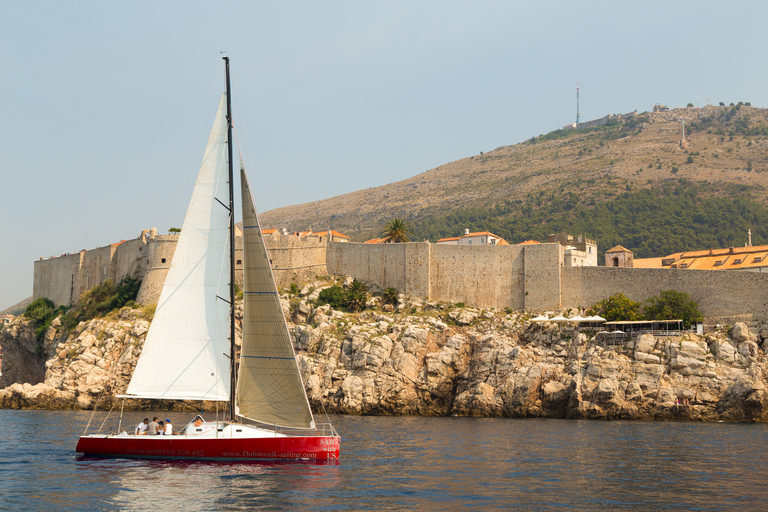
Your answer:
<point x="189" y="352"/>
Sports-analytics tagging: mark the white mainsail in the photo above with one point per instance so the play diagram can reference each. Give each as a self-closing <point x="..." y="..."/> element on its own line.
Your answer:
<point x="185" y="353"/>
<point x="269" y="385"/>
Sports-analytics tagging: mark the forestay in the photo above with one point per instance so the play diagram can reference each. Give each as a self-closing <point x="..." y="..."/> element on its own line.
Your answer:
<point x="269" y="386"/>
<point x="184" y="356"/>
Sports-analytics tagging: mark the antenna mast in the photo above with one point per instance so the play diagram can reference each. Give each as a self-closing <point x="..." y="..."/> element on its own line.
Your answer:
<point x="577" y="102"/>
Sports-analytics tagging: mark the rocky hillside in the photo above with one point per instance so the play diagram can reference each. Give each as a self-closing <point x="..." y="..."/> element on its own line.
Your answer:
<point x="436" y="359"/>
<point x="725" y="147"/>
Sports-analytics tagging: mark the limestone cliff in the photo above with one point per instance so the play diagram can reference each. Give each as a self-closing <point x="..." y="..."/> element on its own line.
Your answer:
<point x="438" y="359"/>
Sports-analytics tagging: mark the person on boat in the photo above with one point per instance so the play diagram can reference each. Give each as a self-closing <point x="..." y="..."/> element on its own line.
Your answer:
<point x="142" y="427"/>
<point x="161" y="428"/>
<point x="153" y="427"/>
<point x="198" y="421"/>
<point x="168" y="427"/>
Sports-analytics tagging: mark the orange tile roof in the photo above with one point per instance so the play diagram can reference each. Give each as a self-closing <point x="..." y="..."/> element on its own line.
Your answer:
<point x="647" y="262"/>
<point x="450" y="239"/>
<point x="268" y="231"/>
<point x="502" y="242"/>
<point x="736" y="258"/>
<point x="529" y="242"/>
<point x="618" y="248"/>
<point x="333" y="233"/>
<point x="374" y="241"/>
<point x="480" y="233"/>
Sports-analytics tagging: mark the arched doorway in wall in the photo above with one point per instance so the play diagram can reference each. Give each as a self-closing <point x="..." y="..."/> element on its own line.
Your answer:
<point x="615" y="262"/>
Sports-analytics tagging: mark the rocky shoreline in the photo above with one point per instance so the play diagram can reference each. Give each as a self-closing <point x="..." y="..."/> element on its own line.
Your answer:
<point x="426" y="359"/>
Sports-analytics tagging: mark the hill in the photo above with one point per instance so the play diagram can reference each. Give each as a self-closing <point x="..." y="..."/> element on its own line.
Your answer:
<point x="578" y="180"/>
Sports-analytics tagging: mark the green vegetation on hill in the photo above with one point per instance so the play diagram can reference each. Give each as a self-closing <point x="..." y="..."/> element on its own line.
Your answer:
<point x="675" y="216"/>
<point x="101" y="299"/>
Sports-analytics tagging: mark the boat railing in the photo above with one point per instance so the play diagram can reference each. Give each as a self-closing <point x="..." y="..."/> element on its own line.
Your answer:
<point x="321" y="430"/>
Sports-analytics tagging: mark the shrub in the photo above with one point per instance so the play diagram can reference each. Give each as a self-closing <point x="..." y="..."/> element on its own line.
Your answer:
<point x="357" y="296"/>
<point x="689" y="105"/>
<point x="690" y="160"/>
<point x="671" y="305"/>
<point x="101" y="299"/>
<point x="333" y="296"/>
<point x="390" y="295"/>
<point x="294" y="289"/>
<point x="42" y="311"/>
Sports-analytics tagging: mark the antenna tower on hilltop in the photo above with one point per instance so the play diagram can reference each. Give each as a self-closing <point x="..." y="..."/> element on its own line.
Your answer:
<point x="577" y="102"/>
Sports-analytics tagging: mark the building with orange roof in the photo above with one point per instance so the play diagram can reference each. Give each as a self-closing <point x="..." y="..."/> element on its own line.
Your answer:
<point x="329" y="235"/>
<point x="374" y="241"/>
<point x="749" y="258"/>
<point x="478" y="238"/>
<point x="529" y="242"/>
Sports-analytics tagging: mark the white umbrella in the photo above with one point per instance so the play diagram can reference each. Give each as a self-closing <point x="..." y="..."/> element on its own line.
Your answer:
<point x="578" y="318"/>
<point x="558" y="318"/>
<point x="540" y="318"/>
<point x="597" y="318"/>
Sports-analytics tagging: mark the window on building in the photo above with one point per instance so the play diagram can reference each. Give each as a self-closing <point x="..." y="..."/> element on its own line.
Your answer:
<point x="239" y="262"/>
<point x="590" y="250"/>
<point x="162" y="261"/>
<point x="470" y="242"/>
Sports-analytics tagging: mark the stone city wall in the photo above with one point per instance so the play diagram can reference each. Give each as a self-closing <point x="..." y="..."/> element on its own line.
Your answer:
<point x="723" y="296"/>
<point x="483" y="275"/>
<point x="57" y="279"/>
<point x="502" y="276"/>
<point x="63" y="279"/>
<point x="383" y="264"/>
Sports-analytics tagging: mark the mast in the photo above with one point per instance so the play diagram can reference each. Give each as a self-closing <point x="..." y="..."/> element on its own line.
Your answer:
<point x="231" y="254"/>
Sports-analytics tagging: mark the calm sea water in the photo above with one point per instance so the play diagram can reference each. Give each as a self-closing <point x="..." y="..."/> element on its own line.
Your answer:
<point x="405" y="463"/>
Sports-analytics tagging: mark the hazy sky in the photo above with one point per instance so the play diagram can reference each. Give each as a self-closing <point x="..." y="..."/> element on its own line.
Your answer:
<point x="106" y="106"/>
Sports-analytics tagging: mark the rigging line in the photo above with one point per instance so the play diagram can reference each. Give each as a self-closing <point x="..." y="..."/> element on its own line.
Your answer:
<point x="197" y="142"/>
<point x="104" y="390"/>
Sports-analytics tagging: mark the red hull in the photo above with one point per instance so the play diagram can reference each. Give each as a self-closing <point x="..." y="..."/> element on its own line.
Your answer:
<point x="321" y="448"/>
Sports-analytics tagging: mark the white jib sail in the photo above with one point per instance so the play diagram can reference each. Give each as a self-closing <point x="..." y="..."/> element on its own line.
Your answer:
<point x="269" y="386"/>
<point x="184" y="356"/>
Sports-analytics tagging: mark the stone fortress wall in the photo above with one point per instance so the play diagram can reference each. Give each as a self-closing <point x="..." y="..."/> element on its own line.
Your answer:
<point x="63" y="279"/>
<point x="522" y="277"/>
<point x="532" y="278"/>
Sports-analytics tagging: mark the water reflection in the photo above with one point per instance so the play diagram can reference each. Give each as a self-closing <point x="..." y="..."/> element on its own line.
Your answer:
<point x="396" y="463"/>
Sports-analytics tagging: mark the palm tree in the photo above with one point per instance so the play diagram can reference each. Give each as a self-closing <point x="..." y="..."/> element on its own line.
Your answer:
<point x="396" y="231"/>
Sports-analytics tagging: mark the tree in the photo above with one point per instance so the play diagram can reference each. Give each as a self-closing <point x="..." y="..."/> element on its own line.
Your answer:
<point x="174" y="231"/>
<point x="617" y="308"/>
<point x="722" y="104"/>
<point x="690" y="160"/>
<point x="689" y="105"/>
<point x="396" y="231"/>
<point x="673" y="305"/>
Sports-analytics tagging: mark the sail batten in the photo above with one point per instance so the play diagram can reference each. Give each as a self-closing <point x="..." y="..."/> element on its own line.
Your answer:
<point x="184" y="354"/>
<point x="269" y="386"/>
